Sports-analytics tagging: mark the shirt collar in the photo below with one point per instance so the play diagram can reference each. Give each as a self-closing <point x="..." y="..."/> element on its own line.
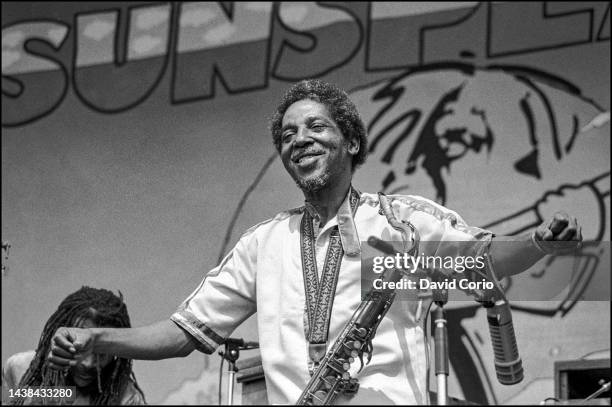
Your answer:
<point x="346" y="224"/>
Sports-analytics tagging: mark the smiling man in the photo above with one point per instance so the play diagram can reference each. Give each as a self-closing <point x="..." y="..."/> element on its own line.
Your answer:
<point x="314" y="167"/>
<point x="301" y="270"/>
<point x="314" y="150"/>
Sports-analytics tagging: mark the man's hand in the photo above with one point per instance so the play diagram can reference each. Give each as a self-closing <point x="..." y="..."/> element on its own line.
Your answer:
<point x="560" y="235"/>
<point x="69" y="345"/>
<point x="514" y="254"/>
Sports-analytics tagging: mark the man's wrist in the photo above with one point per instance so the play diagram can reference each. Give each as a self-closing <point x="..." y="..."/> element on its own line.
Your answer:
<point x="542" y="248"/>
<point x="555" y="247"/>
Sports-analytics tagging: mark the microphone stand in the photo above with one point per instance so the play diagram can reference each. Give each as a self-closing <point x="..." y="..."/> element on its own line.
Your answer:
<point x="231" y="354"/>
<point x="604" y="388"/>
<point x="440" y="298"/>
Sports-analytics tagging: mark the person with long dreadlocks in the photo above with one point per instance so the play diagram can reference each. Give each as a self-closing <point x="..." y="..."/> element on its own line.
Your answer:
<point x="98" y="378"/>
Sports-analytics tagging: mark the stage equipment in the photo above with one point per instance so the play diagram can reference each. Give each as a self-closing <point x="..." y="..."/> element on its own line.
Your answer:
<point x="231" y="354"/>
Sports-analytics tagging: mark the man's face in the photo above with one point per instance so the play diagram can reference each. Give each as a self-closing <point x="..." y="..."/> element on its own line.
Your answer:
<point x="313" y="149"/>
<point x="84" y="373"/>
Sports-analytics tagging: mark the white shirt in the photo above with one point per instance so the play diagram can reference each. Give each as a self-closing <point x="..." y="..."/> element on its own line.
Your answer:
<point x="263" y="274"/>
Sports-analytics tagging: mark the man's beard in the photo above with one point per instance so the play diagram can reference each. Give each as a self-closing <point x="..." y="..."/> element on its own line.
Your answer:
<point x="313" y="184"/>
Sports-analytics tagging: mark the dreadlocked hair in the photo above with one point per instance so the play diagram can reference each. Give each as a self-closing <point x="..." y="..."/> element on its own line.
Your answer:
<point x="105" y="309"/>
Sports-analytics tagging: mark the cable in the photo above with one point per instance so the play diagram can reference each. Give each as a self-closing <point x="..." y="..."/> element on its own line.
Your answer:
<point x="593" y="352"/>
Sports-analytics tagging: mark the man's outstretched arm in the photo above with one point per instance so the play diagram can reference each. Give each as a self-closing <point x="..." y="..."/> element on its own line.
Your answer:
<point x="160" y="340"/>
<point x="514" y="254"/>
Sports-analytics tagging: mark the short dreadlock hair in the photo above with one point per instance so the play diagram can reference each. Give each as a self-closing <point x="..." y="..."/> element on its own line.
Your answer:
<point x="342" y="110"/>
<point x="105" y="309"/>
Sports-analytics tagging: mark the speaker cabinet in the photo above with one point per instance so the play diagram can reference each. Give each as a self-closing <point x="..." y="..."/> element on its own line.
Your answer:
<point x="576" y="380"/>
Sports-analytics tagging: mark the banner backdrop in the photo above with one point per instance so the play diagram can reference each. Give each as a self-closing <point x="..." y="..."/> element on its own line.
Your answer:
<point x="136" y="151"/>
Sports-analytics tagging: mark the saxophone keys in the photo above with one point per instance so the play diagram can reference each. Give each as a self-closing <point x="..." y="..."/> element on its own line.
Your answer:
<point x="318" y="398"/>
<point x="350" y="349"/>
<point x="361" y="332"/>
<point x="341" y="365"/>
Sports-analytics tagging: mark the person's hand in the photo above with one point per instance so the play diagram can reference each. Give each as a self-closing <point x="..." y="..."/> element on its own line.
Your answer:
<point x="559" y="235"/>
<point x="583" y="201"/>
<point x="69" y="345"/>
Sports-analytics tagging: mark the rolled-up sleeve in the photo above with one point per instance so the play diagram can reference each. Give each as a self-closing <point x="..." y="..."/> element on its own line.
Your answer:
<point x="459" y="239"/>
<point x="224" y="298"/>
<point x="443" y="231"/>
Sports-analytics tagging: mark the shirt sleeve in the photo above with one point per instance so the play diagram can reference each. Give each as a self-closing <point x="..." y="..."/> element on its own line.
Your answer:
<point x="443" y="232"/>
<point x="224" y="298"/>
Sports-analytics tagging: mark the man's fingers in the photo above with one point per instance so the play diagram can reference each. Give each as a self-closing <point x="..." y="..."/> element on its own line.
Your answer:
<point x="64" y="340"/>
<point x="569" y="233"/>
<point x="61" y="352"/>
<point x="558" y="223"/>
<point x="543" y="232"/>
<point x="58" y="362"/>
<point x="546" y="234"/>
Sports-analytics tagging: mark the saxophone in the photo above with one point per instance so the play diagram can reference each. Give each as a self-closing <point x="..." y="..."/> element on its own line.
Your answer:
<point x="332" y="378"/>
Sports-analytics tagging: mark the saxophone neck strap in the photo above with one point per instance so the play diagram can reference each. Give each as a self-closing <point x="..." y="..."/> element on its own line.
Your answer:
<point x="320" y="293"/>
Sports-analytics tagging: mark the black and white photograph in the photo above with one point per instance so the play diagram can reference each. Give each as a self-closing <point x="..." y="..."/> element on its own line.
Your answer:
<point x="309" y="203"/>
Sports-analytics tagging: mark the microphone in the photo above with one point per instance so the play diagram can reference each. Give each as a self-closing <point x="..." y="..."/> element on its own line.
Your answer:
<point x="242" y="343"/>
<point x="508" y="364"/>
